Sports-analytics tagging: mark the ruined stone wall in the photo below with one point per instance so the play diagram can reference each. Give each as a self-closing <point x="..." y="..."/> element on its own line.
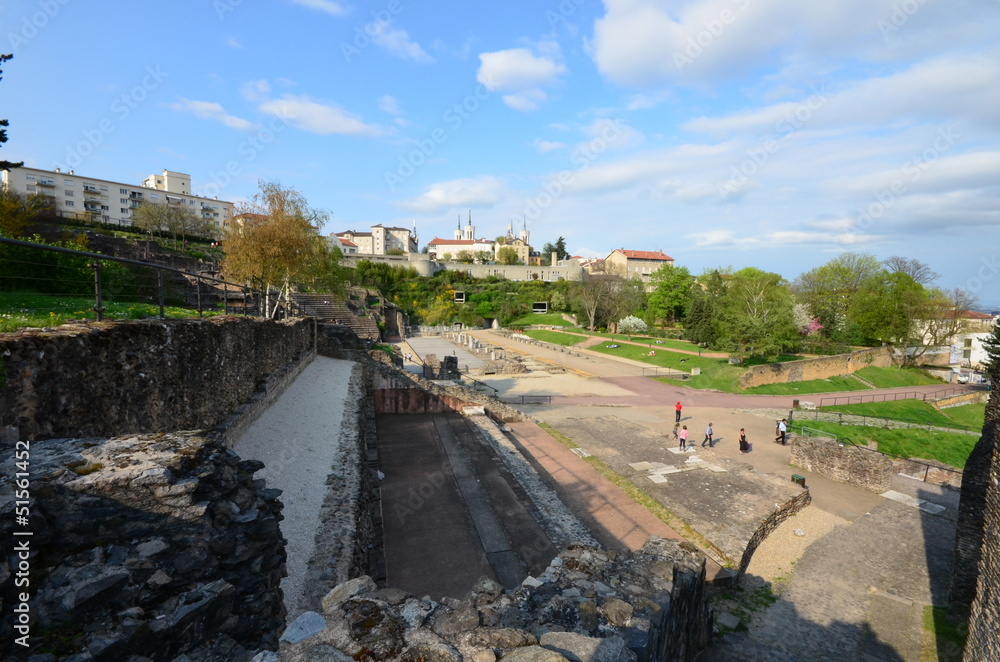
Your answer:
<point x="589" y="604"/>
<point x="820" y="368"/>
<point x="976" y="397"/>
<point x="110" y="378"/>
<point x="848" y="464"/>
<point x="976" y="569"/>
<point x="770" y="523"/>
<point x="146" y="545"/>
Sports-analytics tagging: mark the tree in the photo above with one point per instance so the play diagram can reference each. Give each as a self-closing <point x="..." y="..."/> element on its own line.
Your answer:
<point x="703" y="302"/>
<point x="631" y="326"/>
<point x="912" y="267"/>
<point x="275" y="242"/>
<point x="627" y="296"/>
<point x="992" y="347"/>
<point x="829" y="290"/>
<point x="6" y="165"/>
<point x="559" y="248"/>
<point x="887" y="306"/>
<point x="175" y="220"/>
<point x="18" y="210"/>
<point x="671" y="290"/>
<point x="465" y="257"/>
<point x="590" y="294"/>
<point x="507" y="256"/>
<point x="939" y="320"/>
<point x="484" y="257"/>
<point x="755" y="315"/>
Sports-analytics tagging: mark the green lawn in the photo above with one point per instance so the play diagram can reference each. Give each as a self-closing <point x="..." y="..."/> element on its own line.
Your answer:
<point x="551" y="319"/>
<point x="554" y="337"/>
<point x="831" y="385"/>
<point x="715" y="373"/>
<point x="952" y="448"/>
<point x="893" y="377"/>
<point x="971" y="415"/>
<point x="655" y="343"/>
<point x="913" y="411"/>
<point x="18" y="310"/>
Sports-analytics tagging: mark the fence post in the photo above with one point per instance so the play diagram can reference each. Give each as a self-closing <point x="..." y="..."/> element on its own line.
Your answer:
<point x="197" y="283"/>
<point x="159" y="290"/>
<point x="99" y="301"/>
<point x="225" y="298"/>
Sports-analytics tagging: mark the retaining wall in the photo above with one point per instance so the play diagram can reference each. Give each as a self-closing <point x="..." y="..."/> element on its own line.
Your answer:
<point x="111" y="378"/>
<point x="848" y="464"/>
<point x="820" y="368"/>
<point x="978" y="397"/>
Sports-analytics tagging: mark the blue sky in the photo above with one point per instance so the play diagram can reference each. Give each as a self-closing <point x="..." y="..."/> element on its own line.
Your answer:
<point x="771" y="133"/>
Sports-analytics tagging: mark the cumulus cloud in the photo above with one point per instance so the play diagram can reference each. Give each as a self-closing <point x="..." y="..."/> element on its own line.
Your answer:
<point x="389" y="104"/>
<point x="325" y="6"/>
<point x="398" y="44"/>
<point x="484" y="191"/>
<point x="542" y="146"/>
<point x="210" y="110"/>
<point x="324" y="119"/>
<point x="521" y="74"/>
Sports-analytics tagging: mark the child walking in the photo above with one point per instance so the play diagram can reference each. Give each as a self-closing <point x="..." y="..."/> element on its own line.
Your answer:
<point x="684" y="438"/>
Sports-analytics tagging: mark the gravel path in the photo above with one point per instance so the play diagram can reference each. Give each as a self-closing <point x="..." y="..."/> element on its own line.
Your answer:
<point x="297" y="439"/>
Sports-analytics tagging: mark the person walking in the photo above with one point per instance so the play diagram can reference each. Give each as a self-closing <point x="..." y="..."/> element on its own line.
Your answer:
<point x="683" y="435"/>
<point x="678" y="407"/>
<point x="782" y="430"/>
<point x="708" y="436"/>
<point x="677" y="427"/>
<point x="744" y="444"/>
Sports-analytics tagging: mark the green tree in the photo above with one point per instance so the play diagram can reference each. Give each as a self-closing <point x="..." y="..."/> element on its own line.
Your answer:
<point x="175" y="220"/>
<point x="829" y="290"/>
<point x="887" y="308"/>
<point x="275" y="242"/>
<point x="755" y="315"/>
<point x="703" y="304"/>
<point x="559" y="248"/>
<point x="465" y="257"/>
<point x="671" y="291"/>
<point x="992" y="347"/>
<point x="484" y="257"/>
<point x="6" y="165"/>
<point x="18" y="210"/>
<point x="507" y="256"/>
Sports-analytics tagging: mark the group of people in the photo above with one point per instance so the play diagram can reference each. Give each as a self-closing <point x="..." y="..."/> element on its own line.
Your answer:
<point x="681" y="433"/>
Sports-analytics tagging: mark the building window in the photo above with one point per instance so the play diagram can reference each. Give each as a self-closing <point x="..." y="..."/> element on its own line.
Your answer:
<point x="153" y="196"/>
<point x="69" y="203"/>
<point x="69" y="182"/>
<point x="29" y="178"/>
<point x="123" y="191"/>
<point x="104" y="189"/>
<point x="968" y="343"/>
<point x="30" y="187"/>
<point x="69" y="194"/>
<point x="966" y="353"/>
<point x="124" y="201"/>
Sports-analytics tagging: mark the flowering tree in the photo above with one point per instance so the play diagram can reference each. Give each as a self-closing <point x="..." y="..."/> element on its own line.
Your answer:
<point x="631" y="325"/>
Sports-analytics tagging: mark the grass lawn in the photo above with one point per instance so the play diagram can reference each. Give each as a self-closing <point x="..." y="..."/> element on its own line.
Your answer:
<point x="665" y="343"/>
<point x="554" y="337"/>
<point x="971" y="415"/>
<point x="715" y="373"/>
<point x="914" y="411"/>
<point x="18" y="310"/>
<point x="952" y="448"/>
<point x="831" y="385"/>
<point x="552" y="319"/>
<point x="893" y="377"/>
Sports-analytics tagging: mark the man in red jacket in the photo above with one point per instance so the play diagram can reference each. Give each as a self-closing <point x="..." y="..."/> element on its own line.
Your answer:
<point x="678" y="408"/>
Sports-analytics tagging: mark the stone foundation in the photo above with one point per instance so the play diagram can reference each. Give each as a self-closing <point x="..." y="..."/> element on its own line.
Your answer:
<point x="848" y="464"/>
<point x="147" y="545"/>
<point x="821" y="368"/>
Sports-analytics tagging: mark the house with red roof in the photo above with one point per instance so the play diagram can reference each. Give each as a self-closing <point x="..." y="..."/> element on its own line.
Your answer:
<point x="636" y="264"/>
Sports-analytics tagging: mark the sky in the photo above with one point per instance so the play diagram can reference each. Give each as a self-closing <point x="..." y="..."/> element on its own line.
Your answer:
<point x="767" y="133"/>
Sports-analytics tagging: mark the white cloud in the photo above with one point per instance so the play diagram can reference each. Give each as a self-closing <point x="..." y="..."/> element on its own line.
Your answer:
<point x="728" y="238"/>
<point x="484" y="191"/>
<point x="233" y="43"/>
<point x="210" y="110"/>
<point x="398" y="44"/>
<point x="542" y="146"/>
<point x="256" y="90"/>
<point x="521" y="74"/>
<point x="306" y="114"/>
<point x="389" y="104"/>
<point x="325" y="6"/>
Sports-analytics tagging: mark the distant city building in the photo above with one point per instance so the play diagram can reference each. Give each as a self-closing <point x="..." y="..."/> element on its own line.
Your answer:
<point x="635" y="264"/>
<point x="591" y="265"/>
<point x="465" y="240"/>
<point x="967" y="347"/>
<point x="519" y="244"/>
<point x="105" y="201"/>
<point x="381" y="240"/>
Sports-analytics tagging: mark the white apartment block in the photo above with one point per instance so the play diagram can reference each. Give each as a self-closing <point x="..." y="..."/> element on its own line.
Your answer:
<point x="101" y="200"/>
<point x="381" y="240"/>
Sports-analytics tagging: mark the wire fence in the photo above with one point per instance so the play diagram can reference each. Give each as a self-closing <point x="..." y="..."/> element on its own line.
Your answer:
<point x="865" y="420"/>
<point x="38" y="280"/>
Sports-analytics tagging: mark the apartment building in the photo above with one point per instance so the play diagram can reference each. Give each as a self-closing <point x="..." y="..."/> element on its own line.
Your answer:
<point x="636" y="264"/>
<point x="381" y="240"/>
<point x="101" y="200"/>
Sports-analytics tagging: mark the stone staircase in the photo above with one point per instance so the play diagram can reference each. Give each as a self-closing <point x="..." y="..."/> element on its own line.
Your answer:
<point x="329" y="310"/>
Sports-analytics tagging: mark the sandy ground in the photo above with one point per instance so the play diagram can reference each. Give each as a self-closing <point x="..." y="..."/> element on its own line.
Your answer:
<point x="297" y="439"/>
<point x="542" y="383"/>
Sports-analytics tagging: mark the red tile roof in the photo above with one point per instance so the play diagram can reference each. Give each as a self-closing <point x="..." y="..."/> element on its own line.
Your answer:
<point x="644" y="255"/>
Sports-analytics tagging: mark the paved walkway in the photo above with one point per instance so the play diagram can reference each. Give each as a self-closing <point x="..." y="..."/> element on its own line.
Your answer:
<point x="855" y="594"/>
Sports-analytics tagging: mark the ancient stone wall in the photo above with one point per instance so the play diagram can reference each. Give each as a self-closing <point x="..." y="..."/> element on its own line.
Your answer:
<point x="110" y="378"/>
<point x="848" y="464"/>
<point x="976" y="569"/>
<point x="770" y="523"/>
<point x="147" y="545"/>
<point x="820" y="368"/>
<point x="976" y="397"/>
<point x="646" y="606"/>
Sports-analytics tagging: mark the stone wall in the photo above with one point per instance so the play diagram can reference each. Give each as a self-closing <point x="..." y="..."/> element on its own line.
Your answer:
<point x="147" y="545"/>
<point x="848" y="464"/>
<point x="820" y="368"/>
<point x="646" y="606"/>
<point x="976" y="397"/>
<point x="770" y="523"/>
<point x="110" y="378"/>
<point x="976" y="569"/>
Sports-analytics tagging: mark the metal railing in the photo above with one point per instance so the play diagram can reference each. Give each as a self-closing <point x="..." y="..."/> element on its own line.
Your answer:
<point x="531" y="400"/>
<point x="867" y="420"/>
<point x="99" y="290"/>
<point x="476" y="384"/>
<point x="890" y="397"/>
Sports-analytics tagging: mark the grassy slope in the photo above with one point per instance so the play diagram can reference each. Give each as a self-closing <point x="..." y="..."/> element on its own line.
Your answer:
<point x="971" y="415"/>
<point x="894" y="377"/>
<point x="36" y="310"/>
<point x="552" y="319"/>
<point x="554" y="337"/>
<point x="916" y="411"/>
<point x="831" y="385"/>
<point x="952" y="448"/>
